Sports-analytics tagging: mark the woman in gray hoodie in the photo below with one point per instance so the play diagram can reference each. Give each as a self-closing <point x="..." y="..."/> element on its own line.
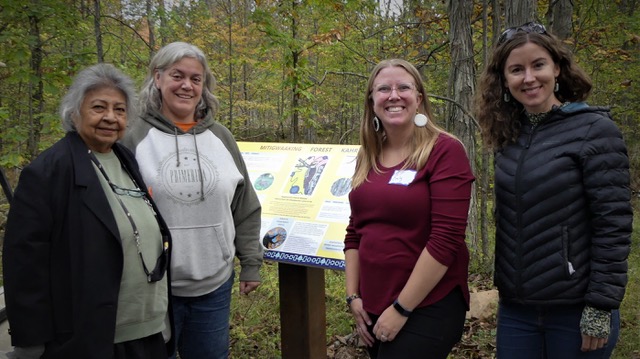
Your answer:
<point x="200" y="182"/>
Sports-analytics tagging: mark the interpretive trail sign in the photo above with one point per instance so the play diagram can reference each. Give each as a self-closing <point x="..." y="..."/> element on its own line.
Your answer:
<point x="303" y="189"/>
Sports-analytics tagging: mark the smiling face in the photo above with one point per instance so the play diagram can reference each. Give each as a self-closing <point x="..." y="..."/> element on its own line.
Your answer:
<point x="181" y="88"/>
<point x="530" y="75"/>
<point x="103" y="118"/>
<point x="395" y="98"/>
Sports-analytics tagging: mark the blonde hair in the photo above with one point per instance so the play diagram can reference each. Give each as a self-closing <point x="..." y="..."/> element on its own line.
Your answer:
<point x="422" y="142"/>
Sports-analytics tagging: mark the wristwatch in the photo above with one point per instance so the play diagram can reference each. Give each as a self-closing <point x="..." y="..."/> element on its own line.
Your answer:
<point x="400" y="309"/>
<point x="351" y="298"/>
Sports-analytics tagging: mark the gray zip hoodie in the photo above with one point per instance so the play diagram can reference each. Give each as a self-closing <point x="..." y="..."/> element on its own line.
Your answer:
<point x="200" y="183"/>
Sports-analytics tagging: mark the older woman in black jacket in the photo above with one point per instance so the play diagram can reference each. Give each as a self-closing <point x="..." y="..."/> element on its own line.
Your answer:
<point x="85" y="250"/>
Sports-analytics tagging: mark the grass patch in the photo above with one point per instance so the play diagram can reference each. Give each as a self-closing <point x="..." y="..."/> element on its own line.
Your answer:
<point x="628" y="346"/>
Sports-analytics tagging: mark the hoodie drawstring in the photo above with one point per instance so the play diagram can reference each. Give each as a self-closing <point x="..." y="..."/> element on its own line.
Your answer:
<point x="175" y="135"/>
<point x="195" y="144"/>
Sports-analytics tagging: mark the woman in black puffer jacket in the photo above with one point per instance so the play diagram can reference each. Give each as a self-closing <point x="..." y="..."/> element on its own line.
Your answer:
<point x="562" y="206"/>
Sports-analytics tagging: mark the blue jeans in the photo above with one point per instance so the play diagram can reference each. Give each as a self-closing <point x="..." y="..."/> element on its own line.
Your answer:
<point x="540" y="332"/>
<point x="202" y="324"/>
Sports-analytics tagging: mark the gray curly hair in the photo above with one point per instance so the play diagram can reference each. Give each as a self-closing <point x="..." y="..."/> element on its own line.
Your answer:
<point x="91" y="78"/>
<point x="150" y="97"/>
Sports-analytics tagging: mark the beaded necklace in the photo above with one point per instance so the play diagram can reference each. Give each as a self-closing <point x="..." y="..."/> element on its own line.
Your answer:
<point x="538" y="118"/>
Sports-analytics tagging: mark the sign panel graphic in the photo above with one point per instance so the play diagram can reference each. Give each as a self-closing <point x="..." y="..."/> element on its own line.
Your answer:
<point x="303" y="189"/>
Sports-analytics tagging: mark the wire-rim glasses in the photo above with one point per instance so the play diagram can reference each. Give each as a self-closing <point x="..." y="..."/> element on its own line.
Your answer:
<point x="135" y="193"/>
<point x="385" y="89"/>
<point x="529" y="28"/>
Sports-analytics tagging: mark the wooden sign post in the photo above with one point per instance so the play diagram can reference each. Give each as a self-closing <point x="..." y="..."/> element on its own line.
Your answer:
<point x="302" y="312"/>
<point x="303" y="189"/>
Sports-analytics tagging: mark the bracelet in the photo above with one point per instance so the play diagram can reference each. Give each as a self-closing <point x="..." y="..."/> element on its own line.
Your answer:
<point x="351" y="298"/>
<point x="400" y="309"/>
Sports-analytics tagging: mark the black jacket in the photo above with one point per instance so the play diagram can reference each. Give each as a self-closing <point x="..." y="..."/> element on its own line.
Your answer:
<point x="63" y="255"/>
<point x="563" y="211"/>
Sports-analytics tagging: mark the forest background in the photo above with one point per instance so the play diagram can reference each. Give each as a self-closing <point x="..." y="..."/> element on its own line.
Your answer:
<point x="296" y="71"/>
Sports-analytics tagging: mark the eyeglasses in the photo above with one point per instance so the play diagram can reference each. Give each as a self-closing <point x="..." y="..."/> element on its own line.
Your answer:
<point x="401" y="89"/>
<point x="529" y="28"/>
<point x="163" y="259"/>
<point x="135" y="193"/>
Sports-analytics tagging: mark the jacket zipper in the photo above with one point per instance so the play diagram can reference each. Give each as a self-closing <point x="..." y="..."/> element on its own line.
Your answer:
<point x="519" y="248"/>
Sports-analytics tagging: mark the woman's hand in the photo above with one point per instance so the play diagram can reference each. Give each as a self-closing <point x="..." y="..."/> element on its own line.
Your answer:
<point x="248" y="287"/>
<point x="362" y="321"/>
<point x="590" y="343"/>
<point x="389" y="324"/>
<point x="595" y="326"/>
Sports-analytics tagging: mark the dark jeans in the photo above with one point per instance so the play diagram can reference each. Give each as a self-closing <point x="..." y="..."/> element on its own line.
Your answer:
<point x="430" y="332"/>
<point x="541" y="332"/>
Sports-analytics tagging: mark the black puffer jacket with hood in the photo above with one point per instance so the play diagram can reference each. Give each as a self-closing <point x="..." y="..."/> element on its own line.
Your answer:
<point x="563" y="211"/>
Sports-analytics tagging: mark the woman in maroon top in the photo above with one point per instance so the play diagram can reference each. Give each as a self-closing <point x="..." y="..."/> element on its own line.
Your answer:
<point x="405" y="251"/>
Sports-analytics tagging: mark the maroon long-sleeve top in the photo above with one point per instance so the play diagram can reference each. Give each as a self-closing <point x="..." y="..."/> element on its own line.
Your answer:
<point x="397" y="213"/>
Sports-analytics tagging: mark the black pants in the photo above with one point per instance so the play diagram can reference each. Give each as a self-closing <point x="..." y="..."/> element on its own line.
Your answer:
<point x="429" y="333"/>
<point x="151" y="347"/>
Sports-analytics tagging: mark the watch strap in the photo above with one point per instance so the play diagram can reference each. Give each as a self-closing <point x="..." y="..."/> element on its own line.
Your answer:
<point x="351" y="298"/>
<point x="400" y="309"/>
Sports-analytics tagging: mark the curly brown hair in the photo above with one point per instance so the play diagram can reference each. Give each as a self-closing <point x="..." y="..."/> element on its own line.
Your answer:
<point x="500" y="120"/>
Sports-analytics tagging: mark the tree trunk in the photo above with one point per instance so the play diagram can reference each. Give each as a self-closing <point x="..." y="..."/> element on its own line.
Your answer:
<point x="295" y="91"/>
<point x="518" y="12"/>
<point x="461" y="80"/>
<point x="483" y="173"/>
<point x="496" y="23"/>
<point x="560" y="24"/>
<point x="251" y="113"/>
<point x="150" y="20"/>
<point x="97" y="31"/>
<point x="162" y="14"/>
<point x="230" y="59"/>
<point x="36" y="86"/>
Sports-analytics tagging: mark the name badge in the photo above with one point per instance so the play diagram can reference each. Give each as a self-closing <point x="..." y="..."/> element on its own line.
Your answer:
<point x="403" y="177"/>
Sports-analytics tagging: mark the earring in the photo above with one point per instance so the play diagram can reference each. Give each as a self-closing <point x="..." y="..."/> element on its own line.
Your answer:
<point x="376" y="123"/>
<point x="420" y="120"/>
<point x="556" y="88"/>
<point x="507" y="97"/>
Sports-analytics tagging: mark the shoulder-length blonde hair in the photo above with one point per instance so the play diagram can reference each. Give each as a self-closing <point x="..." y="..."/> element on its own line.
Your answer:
<point x="371" y="141"/>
